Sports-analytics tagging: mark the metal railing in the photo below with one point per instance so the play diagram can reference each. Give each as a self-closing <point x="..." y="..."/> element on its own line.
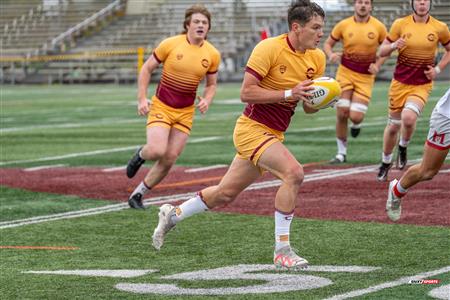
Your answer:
<point x="67" y="35"/>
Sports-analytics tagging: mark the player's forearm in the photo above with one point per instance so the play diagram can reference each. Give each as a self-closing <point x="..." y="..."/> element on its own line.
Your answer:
<point x="143" y="82"/>
<point x="445" y="60"/>
<point x="328" y="50"/>
<point x="380" y="61"/>
<point x="387" y="49"/>
<point x="255" y="94"/>
<point x="209" y="92"/>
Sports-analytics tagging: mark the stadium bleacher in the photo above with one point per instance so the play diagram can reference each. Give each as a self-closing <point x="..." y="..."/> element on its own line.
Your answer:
<point x="30" y="28"/>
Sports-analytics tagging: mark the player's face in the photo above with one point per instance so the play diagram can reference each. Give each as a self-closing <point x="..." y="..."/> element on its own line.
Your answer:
<point x="422" y="7"/>
<point x="198" y="27"/>
<point x="363" y="8"/>
<point x="310" y="34"/>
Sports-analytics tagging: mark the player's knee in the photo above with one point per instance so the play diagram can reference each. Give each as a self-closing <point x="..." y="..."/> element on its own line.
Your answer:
<point x="294" y="175"/>
<point x="225" y="196"/>
<point x="409" y="120"/>
<point x="429" y="174"/>
<point x="342" y="114"/>
<point x="170" y="158"/>
<point x="153" y="153"/>
<point x="393" y="129"/>
<point x="356" y="118"/>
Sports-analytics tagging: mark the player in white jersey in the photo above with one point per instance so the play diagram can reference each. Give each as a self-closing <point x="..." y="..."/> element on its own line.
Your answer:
<point x="435" y="151"/>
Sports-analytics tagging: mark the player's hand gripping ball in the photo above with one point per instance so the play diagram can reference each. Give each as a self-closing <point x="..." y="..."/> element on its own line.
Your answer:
<point x="326" y="92"/>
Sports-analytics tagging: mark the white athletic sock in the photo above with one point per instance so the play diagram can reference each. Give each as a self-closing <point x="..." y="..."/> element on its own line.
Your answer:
<point x="403" y="142"/>
<point x="342" y="146"/>
<point x="356" y="125"/>
<point x="282" y="228"/>
<point x="188" y="208"/>
<point x="401" y="189"/>
<point x="142" y="188"/>
<point x="140" y="154"/>
<point x="386" y="158"/>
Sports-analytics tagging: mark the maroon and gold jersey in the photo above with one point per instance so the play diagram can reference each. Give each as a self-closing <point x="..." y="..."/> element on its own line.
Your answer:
<point x="421" y="44"/>
<point x="279" y="67"/>
<point x="185" y="65"/>
<point x="360" y="42"/>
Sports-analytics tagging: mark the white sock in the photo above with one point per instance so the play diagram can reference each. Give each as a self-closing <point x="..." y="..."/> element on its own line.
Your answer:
<point x="142" y="188"/>
<point x="188" y="208"/>
<point x="386" y="158"/>
<point x="342" y="146"/>
<point x="356" y="125"/>
<point x="282" y="228"/>
<point x="140" y="154"/>
<point x="400" y="188"/>
<point x="403" y="142"/>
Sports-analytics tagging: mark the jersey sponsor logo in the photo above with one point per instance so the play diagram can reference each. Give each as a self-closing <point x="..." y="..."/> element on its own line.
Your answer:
<point x="431" y="37"/>
<point x="179" y="56"/>
<point x="205" y="63"/>
<point x="283" y="69"/>
<point x="310" y="73"/>
<point x="371" y="35"/>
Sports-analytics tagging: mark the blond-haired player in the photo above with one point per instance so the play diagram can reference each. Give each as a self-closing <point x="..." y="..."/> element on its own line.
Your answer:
<point x="360" y="34"/>
<point x="416" y="37"/>
<point x="187" y="58"/>
<point x="277" y="78"/>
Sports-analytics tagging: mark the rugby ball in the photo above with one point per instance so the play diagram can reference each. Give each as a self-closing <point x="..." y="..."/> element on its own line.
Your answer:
<point x="326" y="92"/>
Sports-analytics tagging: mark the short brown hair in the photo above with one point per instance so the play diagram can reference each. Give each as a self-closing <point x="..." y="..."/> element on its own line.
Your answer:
<point x="302" y="11"/>
<point x="196" y="9"/>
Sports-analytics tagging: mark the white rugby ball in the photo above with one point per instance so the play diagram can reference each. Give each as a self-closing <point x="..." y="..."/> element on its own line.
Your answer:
<point x="326" y="92"/>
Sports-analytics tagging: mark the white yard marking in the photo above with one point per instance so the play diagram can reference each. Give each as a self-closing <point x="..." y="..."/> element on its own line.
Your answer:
<point x="114" y="169"/>
<point x="69" y="125"/>
<point x="325" y="128"/>
<point x="97" y="152"/>
<point x="44" y="167"/>
<point x="194" y="170"/>
<point x="442" y="292"/>
<point x="97" y="273"/>
<point x="445" y="171"/>
<point x="60" y="157"/>
<point x="174" y="198"/>
<point x="390" y="284"/>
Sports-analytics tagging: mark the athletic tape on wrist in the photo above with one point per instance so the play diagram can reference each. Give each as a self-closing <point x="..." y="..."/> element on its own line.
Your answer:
<point x="287" y="94"/>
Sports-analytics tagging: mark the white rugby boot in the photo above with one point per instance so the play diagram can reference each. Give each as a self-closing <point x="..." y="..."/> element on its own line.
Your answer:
<point x="393" y="203"/>
<point x="286" y="258"/>
<point x="165" y="224"/>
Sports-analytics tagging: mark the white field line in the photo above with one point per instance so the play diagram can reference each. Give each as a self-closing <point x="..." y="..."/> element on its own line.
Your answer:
<point x="114" y="169"/>
<point x="70" y="125"/>
<point x="96" y="152"/>
<point x="333" y="127"/>
<point x="44" y="167"/>
<point x="60" y="157"/>
<point x="445" y="171"/>
<point x="390" y="284"/>
<point x="103" y="122"/>
<point x="194" y="170"/>
<point x="171" y="198"/>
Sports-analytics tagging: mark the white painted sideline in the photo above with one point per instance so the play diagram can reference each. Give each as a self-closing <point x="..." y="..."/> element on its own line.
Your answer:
<point x="389" y="284"/>
<point x="43" y="167"/>
<point x="96" y="152"/>
<point x="194" y="170"/>
<point x="172" y="198"/>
